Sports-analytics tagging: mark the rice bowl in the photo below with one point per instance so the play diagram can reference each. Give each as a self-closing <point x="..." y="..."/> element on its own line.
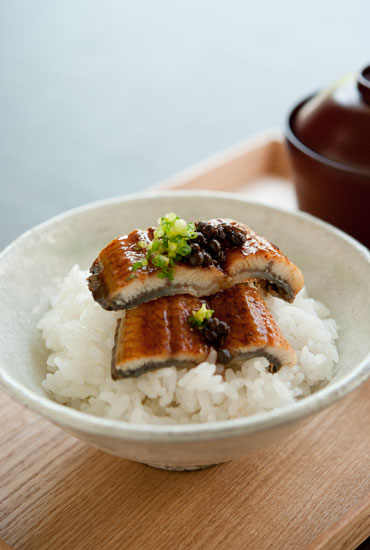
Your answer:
<point x="336" y="269"/>
<point x="79" y="335"/>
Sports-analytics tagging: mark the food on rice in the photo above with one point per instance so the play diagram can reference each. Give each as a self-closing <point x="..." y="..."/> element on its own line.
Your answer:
<point x="193" y="321"/>
<point x="220" y="254"/>
<point x="185" y="258"/>
<point x="158" y="334"/>
<point x="79" y="335"/>
<point x="253" y="331"/>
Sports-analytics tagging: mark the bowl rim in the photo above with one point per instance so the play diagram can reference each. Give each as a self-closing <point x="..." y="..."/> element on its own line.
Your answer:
<point x="75" y="420"/>
<point x="291" y="137"/>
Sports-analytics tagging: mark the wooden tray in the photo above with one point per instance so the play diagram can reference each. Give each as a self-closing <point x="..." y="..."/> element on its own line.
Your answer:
<point x="311" y="491"/>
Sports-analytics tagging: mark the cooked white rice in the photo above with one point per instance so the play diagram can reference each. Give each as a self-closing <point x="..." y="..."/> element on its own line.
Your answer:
<point x="79" y="335"/>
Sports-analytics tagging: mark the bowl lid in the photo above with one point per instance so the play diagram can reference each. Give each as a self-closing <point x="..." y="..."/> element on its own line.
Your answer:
<point x="336" y="122"/>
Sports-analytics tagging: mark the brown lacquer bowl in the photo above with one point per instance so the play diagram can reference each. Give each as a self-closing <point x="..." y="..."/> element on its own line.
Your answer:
<point x="328" y="139"/>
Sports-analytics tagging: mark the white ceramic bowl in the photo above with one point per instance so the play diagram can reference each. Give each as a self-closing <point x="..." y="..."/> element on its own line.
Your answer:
<point x="336" y="269"/>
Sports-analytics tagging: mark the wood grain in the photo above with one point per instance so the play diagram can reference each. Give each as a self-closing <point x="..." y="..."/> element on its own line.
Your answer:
<point x="235" y="168"/>
<point x="58" y="493"/>
<point x="311" y="491"/>
<point x="348" y="532"/>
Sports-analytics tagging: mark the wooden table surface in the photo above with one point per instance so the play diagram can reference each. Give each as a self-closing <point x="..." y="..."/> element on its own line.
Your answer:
<point x="58" y="493"/>
<point x="310" y="491"/>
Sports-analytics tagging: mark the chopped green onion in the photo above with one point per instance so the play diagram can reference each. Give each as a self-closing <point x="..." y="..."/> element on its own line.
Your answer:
<point x="171" y="217"/>
<point x="179" y="226"/>
<point x="200" y="316"/>
<point x="170" y="244"/>
<point x="184" y="250"/>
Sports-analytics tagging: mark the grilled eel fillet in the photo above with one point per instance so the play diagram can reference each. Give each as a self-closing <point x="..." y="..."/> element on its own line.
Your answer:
<point x="115" y="286"/>
<point x="157" y="334"/>
<point x="253" y="331"/>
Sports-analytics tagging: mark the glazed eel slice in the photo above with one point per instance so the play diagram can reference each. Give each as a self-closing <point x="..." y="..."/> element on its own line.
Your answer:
<point x="253" y="331"/>
<point x="114" y="284"/>
<point x="157" y="334"/>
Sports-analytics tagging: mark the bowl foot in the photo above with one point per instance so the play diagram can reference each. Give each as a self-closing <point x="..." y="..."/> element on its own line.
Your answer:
<point x="181" y="468"/>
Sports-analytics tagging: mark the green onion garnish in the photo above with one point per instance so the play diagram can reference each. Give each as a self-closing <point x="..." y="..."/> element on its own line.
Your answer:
<point x="200" y="316"/>
<point x="170" y="245"/>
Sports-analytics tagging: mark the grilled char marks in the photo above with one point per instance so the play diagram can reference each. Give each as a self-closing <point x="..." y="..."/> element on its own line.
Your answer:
<point x="243" y="309"/>
<point x="113" y="268"/>
<point x="225" y="253"/>
<point x="253" y="331"/>
<point x="157" y="334"/>
<point x="258" y="258"/>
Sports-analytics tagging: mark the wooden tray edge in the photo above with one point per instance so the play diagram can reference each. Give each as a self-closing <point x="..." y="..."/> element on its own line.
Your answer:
<point x="229" y="170"/>
<point x="348" y="532"/>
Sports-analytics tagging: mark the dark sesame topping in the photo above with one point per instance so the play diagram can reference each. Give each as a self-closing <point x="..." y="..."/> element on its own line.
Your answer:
<point x="211" y="243"/>
<point x="224" y="356"/>
<point x="237" y="239"/>
<point x="196" y="258"/>
<point x="201" y="240"/>
<point x="208" y="230"/>
<point x="195" y="247"/>
<point x="221" y="233"/>
<point x="201" y="225"/>
<point x="215" y="332"/>
<point x="221" y="257"/>
<point x="215" y="246"/>
<point x="207" y="259"/>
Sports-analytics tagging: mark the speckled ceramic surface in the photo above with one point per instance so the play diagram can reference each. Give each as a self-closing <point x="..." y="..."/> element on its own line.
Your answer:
<point x="336" y="269"/>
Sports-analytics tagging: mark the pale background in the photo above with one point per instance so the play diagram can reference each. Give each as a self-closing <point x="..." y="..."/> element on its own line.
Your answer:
<point x="102" y="98"/>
